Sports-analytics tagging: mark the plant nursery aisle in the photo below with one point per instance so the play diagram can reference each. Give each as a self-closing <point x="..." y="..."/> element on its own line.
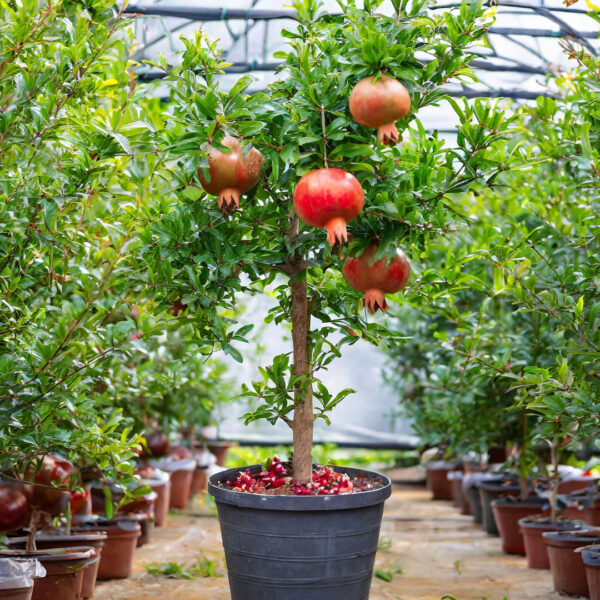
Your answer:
<point x="439" y="552"/>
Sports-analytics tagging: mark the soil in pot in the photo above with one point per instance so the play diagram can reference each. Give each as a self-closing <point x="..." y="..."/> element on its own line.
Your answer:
<point x="64" y="571"/>
<point x="568" y="570"/>
<point x="507" y="514"/>
<point x="94" y="539"/>
<point x="591" y="561"/>
<point x="122" y="534"/>
<point x="490" y="491"/>
<point x="533" y="528"/>
<point x="437" y="480"/>
<point x="294" y="547"/>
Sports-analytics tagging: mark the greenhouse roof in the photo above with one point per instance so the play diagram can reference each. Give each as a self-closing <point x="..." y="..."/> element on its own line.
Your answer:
<point x="525" y="43"/>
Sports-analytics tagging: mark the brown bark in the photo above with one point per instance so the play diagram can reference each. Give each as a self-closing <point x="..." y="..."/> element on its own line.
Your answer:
<point x="303" y="401"/>
<point x="302" y="425"/>
<point x="555" y="481"/>
<point x="33" y="527"/>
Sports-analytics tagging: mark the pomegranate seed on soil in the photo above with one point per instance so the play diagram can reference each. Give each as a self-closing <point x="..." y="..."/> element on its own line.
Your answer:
<point x="276" y="479"/>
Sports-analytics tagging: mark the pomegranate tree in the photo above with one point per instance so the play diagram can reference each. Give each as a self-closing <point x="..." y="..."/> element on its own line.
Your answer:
<point x="321" y="171"/>
<point x="230" y="174"/>
<point x="375" y="278"/>
<point x="329" y="198"/>
<point x="378" y="103"/>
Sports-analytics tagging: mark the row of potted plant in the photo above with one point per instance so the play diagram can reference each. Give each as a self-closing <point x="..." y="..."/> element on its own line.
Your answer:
<point x="81" y="528"/>
<point x="555" y="531"/>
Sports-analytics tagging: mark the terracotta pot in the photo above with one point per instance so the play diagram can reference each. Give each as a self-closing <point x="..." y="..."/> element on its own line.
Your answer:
<point x="199" y="481"/>
<point x="577" y="483"/>
<point x="163" y="499"/>
<point x="568" y="570"/>
<point x="181" y="472"/>
<point x="437" y="480"/>
<point x="22" y="593"/>
<point x="181" y="488"/>
<point x="584" y="506"/>
<point x="64" y="571"/>
<point x="507" y="514"/>
<point x="146" y="523"/>
<point x="95" y="539"/>
<point x="219" y="449"/>
<point x="533" y="528"/>
<point x="591" y="560"/>
<point x="592" y="513"/>
<point x="490" y="491"/>
<point x="458" y="498"/>
<point x="116" y="561"/>
<point x="141" y="504"/>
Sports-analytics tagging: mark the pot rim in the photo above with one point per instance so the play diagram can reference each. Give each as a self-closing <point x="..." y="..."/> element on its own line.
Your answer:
<point x="590" y="555"/>
<point x="171" y="465"/>
<point x="561" y="525"/>
<point x="75" y="553"/>
<point x="508" y="502"/>
<point x="298" y="503"/>
<point x="76" y="536"/>
<point x="570" y="536"/>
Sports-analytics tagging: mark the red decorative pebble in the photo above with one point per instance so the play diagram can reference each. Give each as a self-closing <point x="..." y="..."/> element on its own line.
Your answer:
<point x="325" y="481"/>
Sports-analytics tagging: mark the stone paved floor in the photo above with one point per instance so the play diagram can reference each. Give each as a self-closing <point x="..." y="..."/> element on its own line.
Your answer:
<point x="439" y="551"/>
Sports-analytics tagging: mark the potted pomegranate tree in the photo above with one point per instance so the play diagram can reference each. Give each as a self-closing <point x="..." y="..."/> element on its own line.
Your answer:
<point x="305" y="190"/>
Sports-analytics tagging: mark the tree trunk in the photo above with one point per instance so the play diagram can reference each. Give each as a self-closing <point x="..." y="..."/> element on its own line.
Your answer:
<point x="303" y="400"/>
<point x="33" y="527"/>
<point x="555" y="481"/>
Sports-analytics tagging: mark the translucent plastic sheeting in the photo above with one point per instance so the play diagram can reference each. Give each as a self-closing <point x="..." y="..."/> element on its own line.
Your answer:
<point x="19" y="573"/>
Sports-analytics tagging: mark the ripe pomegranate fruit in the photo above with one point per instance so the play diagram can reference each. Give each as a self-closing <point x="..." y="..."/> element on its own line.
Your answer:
<point x="231" y="174"/>
<point x="79" y="501"/>
<point x="379" y="105"/>
<point x="158" y="444"/>
<point x="329" y="198"/>
<point x="15" y="511"/>
<point x="377" y="278"/>
<point x="51" y="479"/>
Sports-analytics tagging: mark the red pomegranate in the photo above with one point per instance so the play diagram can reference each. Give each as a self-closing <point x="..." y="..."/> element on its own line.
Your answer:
<point x="379" y="105"/>
<point x="231" y="174"/>
<point x="14" y="506"/>
<point x="79" y="501"/>
<point x="158" y="444"/>
<point x="50" y="490"/>
<point x="377" y="278"/>
<point x="329" y="198"/>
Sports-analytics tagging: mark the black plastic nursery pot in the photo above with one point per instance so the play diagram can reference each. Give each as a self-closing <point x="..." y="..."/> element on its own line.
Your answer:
<point x="300" y="547"/>
<point x="490" y="491"/>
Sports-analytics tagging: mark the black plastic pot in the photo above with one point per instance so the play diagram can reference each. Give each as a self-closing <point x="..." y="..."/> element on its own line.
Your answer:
<point x="471" y="483"/>
<point x="490" y="491"/>
<point x="300" y="547"/>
